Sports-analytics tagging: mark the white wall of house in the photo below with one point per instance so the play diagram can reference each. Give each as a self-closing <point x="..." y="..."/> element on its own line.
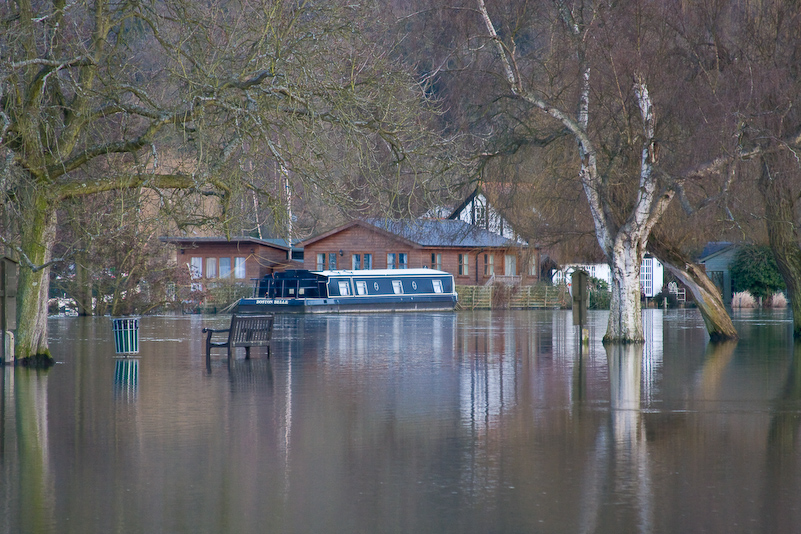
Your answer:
<point x="651" y="274"/>
<point x="478" y="212"/>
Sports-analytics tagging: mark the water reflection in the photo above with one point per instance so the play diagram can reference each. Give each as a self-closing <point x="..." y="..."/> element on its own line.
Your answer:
<point x="466" y="422"/>
<point x="28" y="394"/>
<point x="781" y="483"/>
<point x="126" y="379"/>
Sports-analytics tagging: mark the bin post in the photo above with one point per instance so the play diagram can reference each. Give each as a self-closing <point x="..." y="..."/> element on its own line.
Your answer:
<point x="126" y="334"/>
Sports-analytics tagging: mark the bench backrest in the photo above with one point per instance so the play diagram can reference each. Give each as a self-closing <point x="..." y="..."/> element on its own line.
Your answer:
<point x="251" y="330"/>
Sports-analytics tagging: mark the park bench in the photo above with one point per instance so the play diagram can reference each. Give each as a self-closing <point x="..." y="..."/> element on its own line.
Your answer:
<point x="245" y="331"/>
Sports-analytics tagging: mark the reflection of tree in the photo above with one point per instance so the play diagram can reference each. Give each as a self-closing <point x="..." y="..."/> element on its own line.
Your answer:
<point x="620" y="467"/>
<point x="781" y="458"/>
<point x="36" y="491"/>
<point x="716" y="360"/>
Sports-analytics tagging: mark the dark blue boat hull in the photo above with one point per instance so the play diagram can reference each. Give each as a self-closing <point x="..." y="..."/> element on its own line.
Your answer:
<point x="352" y="304"/>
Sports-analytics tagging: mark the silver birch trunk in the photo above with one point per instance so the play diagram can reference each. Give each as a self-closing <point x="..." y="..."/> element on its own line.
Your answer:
<point x="625" y="309"/>
<point x="624" y="246"/>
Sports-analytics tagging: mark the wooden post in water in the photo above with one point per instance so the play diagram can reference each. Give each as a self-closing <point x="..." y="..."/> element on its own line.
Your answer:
<point x="581" y="301"/>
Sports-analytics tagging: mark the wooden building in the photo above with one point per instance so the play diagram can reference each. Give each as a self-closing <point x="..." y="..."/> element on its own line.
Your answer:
<point x="239" y="258"/>
<point x="717" y="258"/>
<point x="473" y="255"/>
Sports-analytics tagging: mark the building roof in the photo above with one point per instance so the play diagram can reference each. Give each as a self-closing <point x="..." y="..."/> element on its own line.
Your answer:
<point x="428" y="233"/>
<point x="714" y="248"/>
<point x="189" y="241"/>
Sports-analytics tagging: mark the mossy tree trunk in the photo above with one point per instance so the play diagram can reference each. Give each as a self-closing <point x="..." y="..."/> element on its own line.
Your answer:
<point x="706" y="295"/>
<point x="783" y="234"/>
<point x="37" y="239"/>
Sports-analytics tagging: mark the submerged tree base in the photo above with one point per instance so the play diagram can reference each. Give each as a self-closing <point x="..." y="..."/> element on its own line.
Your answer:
<point x="608" y="340"/>
<point x="38" y="361"/>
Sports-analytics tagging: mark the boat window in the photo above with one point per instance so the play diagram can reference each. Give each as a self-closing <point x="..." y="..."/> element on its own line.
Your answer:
<point x="344" y="288"/>
<point x="301" y="291"/>
<point x="437" y="286"/>
<point x="397" y="287"/>
<point x="291" y="291"/>
<point x="361" y="287"/>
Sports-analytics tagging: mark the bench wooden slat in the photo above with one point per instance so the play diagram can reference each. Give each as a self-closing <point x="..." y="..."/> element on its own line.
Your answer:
<point x="245" y="331"/>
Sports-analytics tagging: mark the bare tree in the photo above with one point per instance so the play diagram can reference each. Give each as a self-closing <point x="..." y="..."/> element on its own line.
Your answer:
<point x="621" y="233"/>
<point x="100" y="96"/>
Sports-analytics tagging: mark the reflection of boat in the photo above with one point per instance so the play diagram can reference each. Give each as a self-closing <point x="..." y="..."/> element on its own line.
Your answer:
<point x="299" y="291"/>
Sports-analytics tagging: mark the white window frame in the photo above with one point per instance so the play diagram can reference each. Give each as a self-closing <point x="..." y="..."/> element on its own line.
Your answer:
<point x="344" y="288"/>
<point x="195" y="267"/>
<point x="437" y="286"/>
<point x="489" y="264"/>
<point x="361" y="287"/>
<point x="510" y="264"/>
<point x="225" y="273"/>
<point x="240" y="271"/>
<point x="397" y="287"/>
<point x="436" y="261"/>
<point x="211" y="267"/>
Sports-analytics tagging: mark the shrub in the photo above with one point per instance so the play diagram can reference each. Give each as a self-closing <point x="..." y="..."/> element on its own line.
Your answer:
<point x="754" y="270"/>
<point x="777" y="300"/>
<point x="743" y="299"/>
<point x="600" y="296"/>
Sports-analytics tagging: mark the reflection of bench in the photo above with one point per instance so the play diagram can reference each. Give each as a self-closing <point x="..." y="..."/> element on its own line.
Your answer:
<point x="245" y="331"/>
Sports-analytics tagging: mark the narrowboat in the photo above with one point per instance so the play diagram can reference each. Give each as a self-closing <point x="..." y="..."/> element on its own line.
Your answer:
<point x="384" y="290"/>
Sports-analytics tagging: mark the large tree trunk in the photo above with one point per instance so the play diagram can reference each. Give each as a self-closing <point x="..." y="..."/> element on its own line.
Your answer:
<point x="37" y="239"/>
<point x="83" y="286"/>
<point x="625" y="309"/>
<point x="783" y="236"/>
<point x="706" y="295"/>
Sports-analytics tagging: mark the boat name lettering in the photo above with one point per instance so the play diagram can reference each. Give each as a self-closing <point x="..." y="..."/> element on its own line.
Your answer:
<point x="272" y="301"/>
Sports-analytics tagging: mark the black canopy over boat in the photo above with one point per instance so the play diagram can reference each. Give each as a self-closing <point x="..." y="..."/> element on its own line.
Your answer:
<point x="301" y="291"/>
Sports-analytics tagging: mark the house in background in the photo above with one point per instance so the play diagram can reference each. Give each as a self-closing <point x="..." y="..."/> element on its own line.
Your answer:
<point x="477" y="211"/>
<point x="651" y="274"/>
<point x="716" y="259"/>
<point x="240" y="258"/>
<point x="473" y="255"/>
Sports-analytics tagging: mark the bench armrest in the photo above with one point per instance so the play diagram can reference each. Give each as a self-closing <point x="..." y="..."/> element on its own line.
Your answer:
<point x="215" y="330"/>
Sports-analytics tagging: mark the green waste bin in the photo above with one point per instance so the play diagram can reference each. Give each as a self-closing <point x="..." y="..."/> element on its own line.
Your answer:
<point x="126" y="335"/>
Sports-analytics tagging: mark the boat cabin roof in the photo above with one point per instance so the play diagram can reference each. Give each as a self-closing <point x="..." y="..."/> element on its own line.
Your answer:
<point x="383" y="272"/>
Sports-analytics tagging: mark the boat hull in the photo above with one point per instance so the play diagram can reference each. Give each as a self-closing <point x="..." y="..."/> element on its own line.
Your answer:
<point x="405" y="303"/>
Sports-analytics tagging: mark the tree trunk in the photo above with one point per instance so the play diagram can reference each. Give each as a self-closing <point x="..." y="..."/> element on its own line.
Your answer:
<point x="37" y="239"/>
<point x="83" y="286"/>
<point x="783" y="236"/>
<point x="706" y="295"/>
<point x="625" y="309"/>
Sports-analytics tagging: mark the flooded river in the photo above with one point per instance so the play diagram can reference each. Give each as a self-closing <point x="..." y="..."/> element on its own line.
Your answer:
<point x="470" y="422"/>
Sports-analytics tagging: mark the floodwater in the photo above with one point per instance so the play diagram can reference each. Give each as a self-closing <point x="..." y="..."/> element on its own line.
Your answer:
<point x="470" y="422"/>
